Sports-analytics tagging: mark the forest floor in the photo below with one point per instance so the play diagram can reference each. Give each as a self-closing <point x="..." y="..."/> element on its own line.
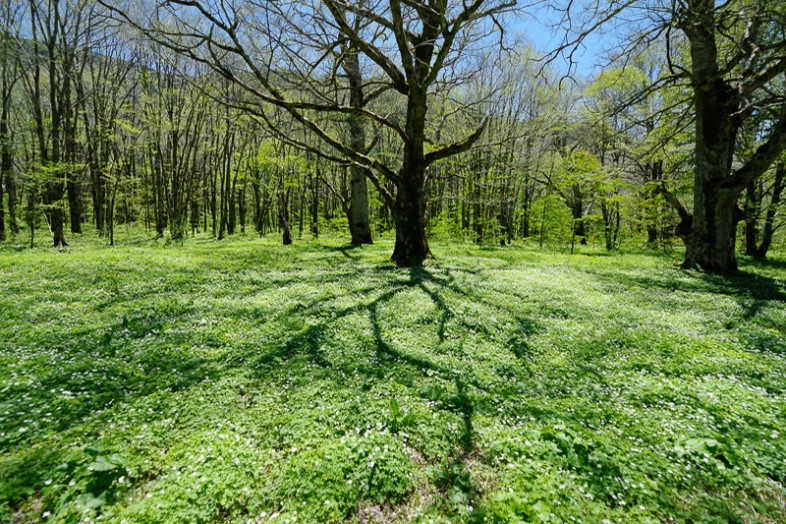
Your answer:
<point x="242" y="381"/>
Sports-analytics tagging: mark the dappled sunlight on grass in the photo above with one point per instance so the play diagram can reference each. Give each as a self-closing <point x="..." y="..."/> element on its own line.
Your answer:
<point x="244" y="381"/>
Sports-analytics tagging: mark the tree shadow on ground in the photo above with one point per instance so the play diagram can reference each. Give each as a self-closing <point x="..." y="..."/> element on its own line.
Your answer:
<point x="752" y="292"/>
<point x="452" y="390"/>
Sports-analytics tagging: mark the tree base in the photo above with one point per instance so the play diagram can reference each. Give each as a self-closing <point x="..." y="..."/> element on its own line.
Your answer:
<point x="411" y="255"/>
<point x="359" y="240"/>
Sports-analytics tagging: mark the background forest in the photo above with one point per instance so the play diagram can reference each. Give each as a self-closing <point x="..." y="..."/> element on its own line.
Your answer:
<point x="102" y="127"/>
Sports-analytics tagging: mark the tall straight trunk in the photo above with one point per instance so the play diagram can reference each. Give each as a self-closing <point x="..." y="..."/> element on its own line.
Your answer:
<point x="2" y="211"/>
<point x="213" y="197"/>
<point x="242" y="207"/>
<point x="751" y="212"/>
<point x="6" y="164"/>
<point x="315" y="205"/>
<point x="31" y="217"/>
<point x="232" y="212"/>
<point x="258" y="216"/>
<point x="283" y="216"/>
<point x="194" y="216"/>
<point x="301" y="212"/>
<point x="654" y="173"/>
<point x="54" y="189"/>
<point x="72" y="184"/>
<point x="99" y="199"/>
<point x="769" y="219"/>
<point x="608" y="221"/>
<point x="6" y="160"/>
<point x="74" y="203"/>
<point x="359" y="223"/>
<point x="110" y="213"/>
<point x="577" y="212"/>
<point x="10" y="186"/>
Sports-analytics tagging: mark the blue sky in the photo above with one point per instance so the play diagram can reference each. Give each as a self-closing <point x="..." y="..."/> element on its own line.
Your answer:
<point x="540" y="28"/>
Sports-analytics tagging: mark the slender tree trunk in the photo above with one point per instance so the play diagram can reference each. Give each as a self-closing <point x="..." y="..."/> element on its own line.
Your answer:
<point x="72" y="184"/>
<point x="2" y="210"/>
<point x="315" y="205"/>
<point x="607" y="225"/>
<point x="242" y="207"/>
<point x="31" y="217"/>
<point x="772" y="210"/>
<point x="751" y="211"/>
<point x="301" y="216"/>
<point x="258" y="216"/>
<point x="6" y="160"/>
<point x="10" y="186"/>
<point x="110" y="213"/>
<point x="213" y="209"/>
<point x="579" y="224"/>
<point x="283" y="217"/>
<point x="6" y="165"/>
<point x="194" y="216"/>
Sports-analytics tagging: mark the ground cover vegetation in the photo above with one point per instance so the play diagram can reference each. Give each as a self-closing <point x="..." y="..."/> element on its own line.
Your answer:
<point x="246" y="381"/>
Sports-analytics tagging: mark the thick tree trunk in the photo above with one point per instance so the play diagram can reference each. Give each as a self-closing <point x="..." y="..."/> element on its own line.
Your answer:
<point x="56" y="222"/>
<point x="411" y="247"/>
<point x="713" y="232"/>
<point x="710" y="244"/>
<point x="360" y="225"/>
<point x="409" y="209"/>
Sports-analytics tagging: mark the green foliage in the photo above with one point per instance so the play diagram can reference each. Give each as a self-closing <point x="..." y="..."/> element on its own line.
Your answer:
<point x="552" y="220"/>
<point x="244" y="381"/>
<point x="328" y="481"/>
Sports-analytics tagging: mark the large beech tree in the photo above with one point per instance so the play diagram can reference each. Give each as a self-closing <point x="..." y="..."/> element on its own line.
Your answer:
<point x="737" y="55"/>
<point x="731" y="57"/>
<point x="280" y="54"/>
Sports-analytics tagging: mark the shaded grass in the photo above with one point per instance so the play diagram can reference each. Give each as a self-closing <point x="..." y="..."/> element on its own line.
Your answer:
<point x="244" y="381"/>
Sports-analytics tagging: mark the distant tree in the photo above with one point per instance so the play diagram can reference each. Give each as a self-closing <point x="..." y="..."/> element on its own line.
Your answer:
<point x="10" y="17"/>
<point x="763" y="205"/>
